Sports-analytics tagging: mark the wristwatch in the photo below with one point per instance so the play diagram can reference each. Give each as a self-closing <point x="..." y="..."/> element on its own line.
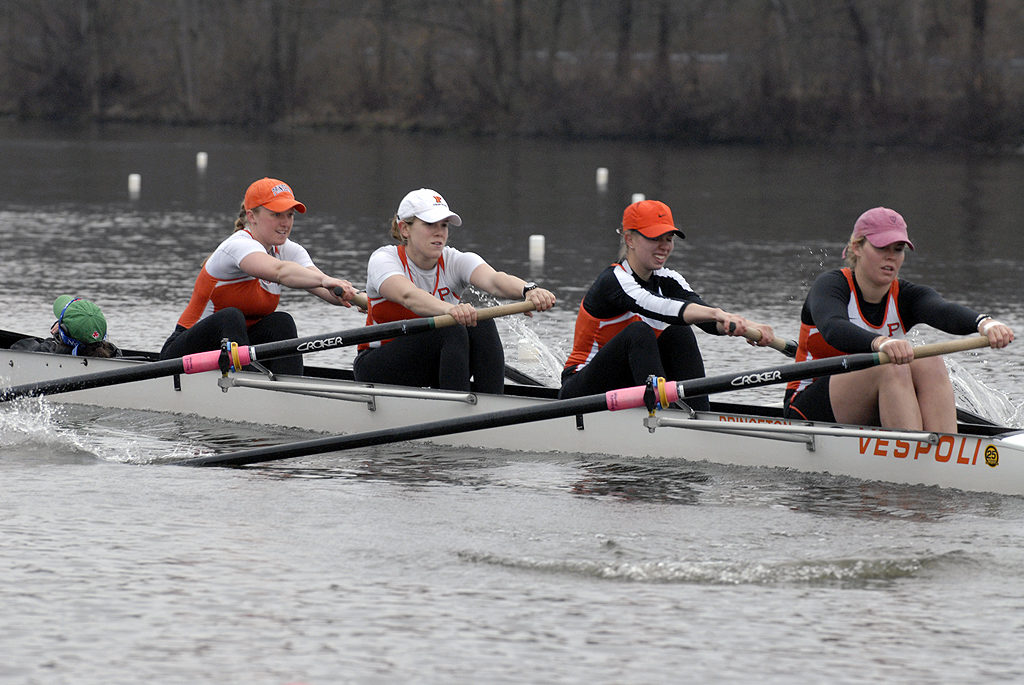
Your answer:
<point x="530" y="285"/>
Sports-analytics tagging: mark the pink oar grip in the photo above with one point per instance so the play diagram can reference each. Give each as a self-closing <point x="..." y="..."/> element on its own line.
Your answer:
<point x="210" y="361"/>
<point x="631" y="398"/>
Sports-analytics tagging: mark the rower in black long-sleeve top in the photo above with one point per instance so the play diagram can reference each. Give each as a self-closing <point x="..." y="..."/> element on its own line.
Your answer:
<point x="866" y="307"/>
<point x="635" y="320"/>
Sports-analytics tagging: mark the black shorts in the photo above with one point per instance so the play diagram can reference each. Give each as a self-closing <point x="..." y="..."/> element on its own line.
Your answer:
<point x="813" y="403"/>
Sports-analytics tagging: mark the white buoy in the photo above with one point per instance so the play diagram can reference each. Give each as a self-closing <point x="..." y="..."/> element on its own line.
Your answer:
<point x="134" y="184"/>
<point x="638" y="197"/>
<point x="602" y="178"/>
<point x="536" y="248"/>
<point x="201" y="161"/>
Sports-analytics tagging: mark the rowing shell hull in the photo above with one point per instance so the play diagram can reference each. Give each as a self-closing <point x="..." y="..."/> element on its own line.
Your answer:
<point x="972" y="462"/>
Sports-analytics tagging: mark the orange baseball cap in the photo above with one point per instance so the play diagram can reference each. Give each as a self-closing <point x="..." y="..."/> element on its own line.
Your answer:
<point x="651" y="218"/>
<point x="273" y="194"/>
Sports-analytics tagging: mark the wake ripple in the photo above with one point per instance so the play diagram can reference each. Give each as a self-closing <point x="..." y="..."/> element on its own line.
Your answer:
<point x="818" y="571"/>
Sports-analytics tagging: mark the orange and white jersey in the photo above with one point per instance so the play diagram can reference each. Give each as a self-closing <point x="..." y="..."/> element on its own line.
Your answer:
<point x="617" y="298"/>
<point x="812" y="344"/>
<point x="446" y="281"/>
<point x="221" y="283"/>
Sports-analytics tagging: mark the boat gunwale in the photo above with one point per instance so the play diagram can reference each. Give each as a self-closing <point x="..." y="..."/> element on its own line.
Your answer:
<point x="968" y="423"/>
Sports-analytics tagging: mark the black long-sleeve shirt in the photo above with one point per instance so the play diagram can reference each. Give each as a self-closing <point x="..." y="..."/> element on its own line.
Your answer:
<point x="827" y="302"/>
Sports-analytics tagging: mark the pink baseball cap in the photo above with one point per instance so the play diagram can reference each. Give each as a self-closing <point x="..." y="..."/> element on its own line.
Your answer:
<point x="882" y="227"/>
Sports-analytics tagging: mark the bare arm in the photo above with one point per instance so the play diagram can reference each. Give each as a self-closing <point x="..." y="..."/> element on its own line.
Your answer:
<point x="726" y="322"/>
<point x="401" y="290"/>
<point x="506" y="285"/>
<point x="293" y="275"/>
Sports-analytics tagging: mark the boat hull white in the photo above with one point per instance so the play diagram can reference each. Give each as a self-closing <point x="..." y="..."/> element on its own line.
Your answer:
<point x="965" y="461"/>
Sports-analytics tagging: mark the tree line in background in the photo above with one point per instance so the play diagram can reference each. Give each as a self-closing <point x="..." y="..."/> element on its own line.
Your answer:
<point x="923" y="72"/>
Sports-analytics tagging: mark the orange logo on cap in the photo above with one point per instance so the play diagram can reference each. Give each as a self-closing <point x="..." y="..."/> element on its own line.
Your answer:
<point x="438" y="200"/>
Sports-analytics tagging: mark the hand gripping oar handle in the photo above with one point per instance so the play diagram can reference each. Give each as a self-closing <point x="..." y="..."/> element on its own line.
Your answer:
<point x="626" y="398"/>
<point x="440" y="321"/>
<point x="511" y="372"/>
<point x="210" y="361"/>
<point x="488" y="313"/>
<point x="934" y="349"/>
<point x="786" y="347"/>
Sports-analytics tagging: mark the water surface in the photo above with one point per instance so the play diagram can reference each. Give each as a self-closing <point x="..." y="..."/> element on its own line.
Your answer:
<point x="411" y="563"/>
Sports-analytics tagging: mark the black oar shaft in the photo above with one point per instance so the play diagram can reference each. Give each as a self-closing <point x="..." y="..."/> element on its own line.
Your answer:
<point x="615" y="400"/>
<point x="144" y="371"/>
<point x="624" y="399"/>
<point x="356" y="336"/>
<point x="380" y="331"/>
<point x="552" y="410"/>
<point x="627" y="398"/>
<point x="210" y="361"/>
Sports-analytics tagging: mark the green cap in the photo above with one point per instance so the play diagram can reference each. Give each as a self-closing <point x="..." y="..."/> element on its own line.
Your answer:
<point x="82" y="320"/>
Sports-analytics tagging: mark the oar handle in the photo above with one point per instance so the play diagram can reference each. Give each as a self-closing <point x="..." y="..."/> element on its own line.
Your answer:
<point x="447" y="320"/>
<point x="359" y="300"/>
<point x="786" y="347"/>
<point x="934" y="349"/>
<point x="488" y="313"/>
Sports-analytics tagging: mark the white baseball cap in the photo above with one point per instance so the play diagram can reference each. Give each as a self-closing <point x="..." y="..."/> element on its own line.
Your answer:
<point x="428" y="205"/>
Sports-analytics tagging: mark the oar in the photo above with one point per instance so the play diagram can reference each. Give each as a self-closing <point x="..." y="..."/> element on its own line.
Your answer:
<point x="627" y="398"/>
<point x="212" y="361"/>
<point x="786" y="347"/>
<point x="513" y="374"/>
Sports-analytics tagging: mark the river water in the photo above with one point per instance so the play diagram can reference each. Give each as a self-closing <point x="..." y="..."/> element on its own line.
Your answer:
<point x="413" y="563"/>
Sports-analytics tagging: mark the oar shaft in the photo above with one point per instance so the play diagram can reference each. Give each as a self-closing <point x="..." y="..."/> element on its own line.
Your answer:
<point x="615" y="400"/>
<point x="210" y="361"/>
<point x="819" y="367"/>
<point x="626" y="398"/>
<point x="143" y="371"/>
<point x="551" y="410"/>
<point x="381" y="331"/>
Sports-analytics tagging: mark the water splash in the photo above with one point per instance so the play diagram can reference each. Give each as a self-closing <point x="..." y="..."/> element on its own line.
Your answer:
<point x="523" y="345"/>
<point x="31" y="421"/>
<point x="533" y="353"/>
<point x="974" y="395"/>
<point x="982" y="399"/>
<point x="56" y="433"/>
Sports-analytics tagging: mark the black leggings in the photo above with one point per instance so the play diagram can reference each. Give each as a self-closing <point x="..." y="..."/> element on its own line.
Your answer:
<point x="813" y="403"/>
<point x="229" y="323"/>
<point x="443" y="358"/>
<point x="633" y="355"/>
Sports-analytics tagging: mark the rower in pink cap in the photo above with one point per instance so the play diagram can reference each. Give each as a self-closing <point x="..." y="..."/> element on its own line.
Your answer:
<point x="867" y="307"/>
